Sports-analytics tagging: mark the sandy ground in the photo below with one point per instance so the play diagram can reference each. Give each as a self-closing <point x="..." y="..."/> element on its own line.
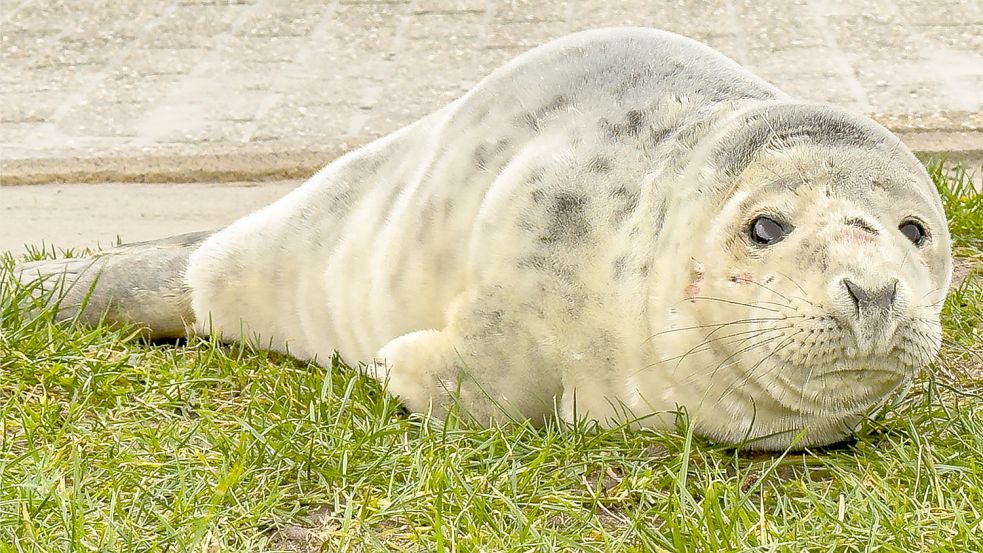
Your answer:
<point x="96" y="215"/>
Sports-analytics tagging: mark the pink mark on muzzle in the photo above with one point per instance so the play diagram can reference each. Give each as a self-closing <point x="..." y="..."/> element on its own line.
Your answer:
<point x="694" y="288"/>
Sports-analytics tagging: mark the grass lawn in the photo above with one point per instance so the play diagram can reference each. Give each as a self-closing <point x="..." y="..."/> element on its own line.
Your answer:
<point x="107" y="444"/>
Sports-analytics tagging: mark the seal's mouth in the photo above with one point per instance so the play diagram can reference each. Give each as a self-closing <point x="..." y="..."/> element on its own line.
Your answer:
<point x="860" y="372"/>
<point x="846" y="388"/>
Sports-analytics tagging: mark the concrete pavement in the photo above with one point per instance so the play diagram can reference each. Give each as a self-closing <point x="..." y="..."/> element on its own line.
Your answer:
<point x="77" y="216"/>
<point x="210" y="90"/>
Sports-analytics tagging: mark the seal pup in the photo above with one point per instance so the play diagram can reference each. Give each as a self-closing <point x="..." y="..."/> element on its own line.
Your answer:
<point x="617" y="224"/>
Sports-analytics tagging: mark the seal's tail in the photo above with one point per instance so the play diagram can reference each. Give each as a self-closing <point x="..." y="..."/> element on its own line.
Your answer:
<point x="141" y="283"/>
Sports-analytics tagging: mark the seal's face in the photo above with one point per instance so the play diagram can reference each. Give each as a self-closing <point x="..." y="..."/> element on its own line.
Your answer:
<point x="823" y="289"/>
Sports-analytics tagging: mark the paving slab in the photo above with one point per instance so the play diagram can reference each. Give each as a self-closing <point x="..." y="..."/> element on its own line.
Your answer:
<point x="75" y="216"/>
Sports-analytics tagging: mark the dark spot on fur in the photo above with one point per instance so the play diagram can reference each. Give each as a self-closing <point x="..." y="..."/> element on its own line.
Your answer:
<point x="556" y="103"/>
<point x="339" y="202"/>
<point x="484" y="154"/>
<point x="841" y="176"/>
<point x="689" y="136"/>
<point x="630" y="203"/>
<point x="822" y="260"/>
<point x="634" y="120"/>
<point x="623" y="193"/>
<point x="644" y="269"/>
<point x="538" y="195"/>
<point x="599" y="164"/>
<point x="879" y="184"/>
<point x="618" y="267"/>
<point x="574" y="302"/>
<point x="658" y="136"/>
<point x="630" y="82"/>
<point x="534" y="119"/>
<point x="567" y="219"/>
<point x="636" y="80"/>
<point x="480" y="156"/>
<point x="535" y="262"/>
<point x="660" y="218"/>
<point x="530" y="120"/>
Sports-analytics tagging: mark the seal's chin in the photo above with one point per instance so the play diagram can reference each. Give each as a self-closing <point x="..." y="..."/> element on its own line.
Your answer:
<point x="848" y="372"/>
<point x="822" y="409"/>
<point x="840" y="390"/>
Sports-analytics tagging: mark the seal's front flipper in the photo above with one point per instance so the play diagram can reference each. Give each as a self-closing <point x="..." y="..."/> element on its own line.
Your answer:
<point x="435" y="371"/>
<point x="141" y="283"/>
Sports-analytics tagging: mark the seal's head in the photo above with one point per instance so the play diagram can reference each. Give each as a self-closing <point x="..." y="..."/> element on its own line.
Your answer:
<point x="819" y="283"/>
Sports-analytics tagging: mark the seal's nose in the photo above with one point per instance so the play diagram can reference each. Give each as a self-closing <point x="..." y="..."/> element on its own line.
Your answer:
<point x="865" y="300"/>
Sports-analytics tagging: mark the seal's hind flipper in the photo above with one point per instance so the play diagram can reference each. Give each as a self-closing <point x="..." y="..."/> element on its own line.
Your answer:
<point x="141" y="283"/>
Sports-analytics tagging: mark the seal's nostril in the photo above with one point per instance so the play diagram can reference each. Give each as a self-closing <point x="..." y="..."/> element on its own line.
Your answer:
<point x="863" y="300"/>
<point x="856" y="293"/>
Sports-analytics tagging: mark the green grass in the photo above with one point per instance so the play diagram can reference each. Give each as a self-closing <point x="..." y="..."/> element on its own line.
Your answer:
<point x="107" y="444"/>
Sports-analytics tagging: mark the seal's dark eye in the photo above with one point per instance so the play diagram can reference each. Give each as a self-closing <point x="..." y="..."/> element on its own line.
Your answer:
<point x="767" y="231"/>
<point x="913" y="231"/>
